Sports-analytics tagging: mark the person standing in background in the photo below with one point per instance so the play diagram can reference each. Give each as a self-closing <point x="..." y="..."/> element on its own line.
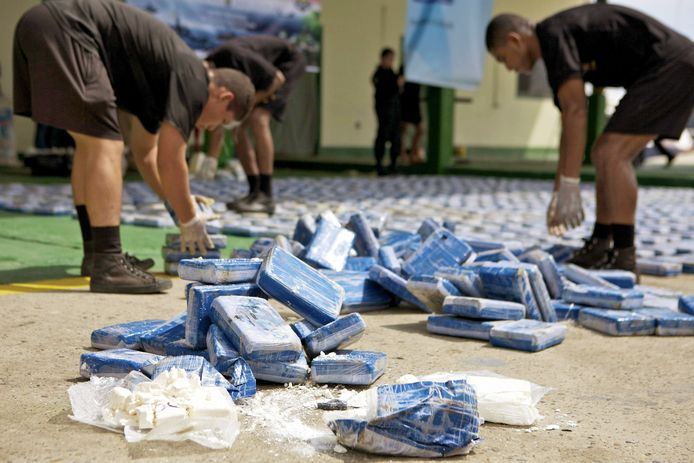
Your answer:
<point x="387" y="85"/>
<point x="411" y="114"/>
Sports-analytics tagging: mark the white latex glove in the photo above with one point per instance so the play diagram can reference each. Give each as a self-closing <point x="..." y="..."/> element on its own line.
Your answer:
<point x="565" y="210"/>
<point x="194" y="236"/>
<point x="203" y="204"/>
<point x="208" y="169"/>
<point x="195" y="163"/>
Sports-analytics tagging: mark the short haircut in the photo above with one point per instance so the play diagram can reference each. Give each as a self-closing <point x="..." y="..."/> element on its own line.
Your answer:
<point x="501" y="25"/>
<point x="240" y="85"/>
<point x="387" y="51"/>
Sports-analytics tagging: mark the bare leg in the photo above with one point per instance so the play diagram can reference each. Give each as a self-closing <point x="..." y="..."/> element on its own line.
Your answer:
<point x="265" y="149"/>
<point x="417" y="141"/>
<point x="245" y="151"/>
<point x="403" y="140"/>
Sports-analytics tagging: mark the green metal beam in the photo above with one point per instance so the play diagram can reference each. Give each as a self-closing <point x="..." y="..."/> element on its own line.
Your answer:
<point x="440" y="136"/>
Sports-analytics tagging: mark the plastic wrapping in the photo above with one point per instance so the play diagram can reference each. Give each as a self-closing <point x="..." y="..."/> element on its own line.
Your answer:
<point x="423" y="419"/>
<point x="509" y="283"/>
<point x="488" y="309"/>
<point x="527" y="335"/>
<point x="395" y="285"/>
<point x="301" y="288"/>
<point x="255" y="329"/>
<point x="542" y="298"/>
<point x="125" y="335"/>
<point x="670" y="323"/>
<point x="567" y="310"/>
<point x="200" y="308"/>
<point x="365" y="242"/>
<point x="582" y="276"/>
<point x="686" y="304"/>
<point x="441" y="249"/>
<point x="388" y="258"/>
<point x="431" y="291"/>
<point x="115" y="362"/>
<point x="304" y="229"/>
<point x="466" y="280"/>
<point x="427" y="227"/>
<point x="195" y="365"/>
<point x="596" y="296"/>
<point x="549" y="269"/>
<point x="660" y="298"/>
<point x="329" y="247"/>
<point x="621" y="278"/>
<point x="219" y="271"/>
<point x="348" y="367"/>
<point x="361" y="294"/>
<point x="451" y="325"/>
<point x="617" y="322"/>
<point x="658" y="268"/>
<point x="339" y="334"/>
<point x="168" y="332"/>
<point x="295" y="372"/>
<point x="359" y="264"/>
<point x="302" y="328"/>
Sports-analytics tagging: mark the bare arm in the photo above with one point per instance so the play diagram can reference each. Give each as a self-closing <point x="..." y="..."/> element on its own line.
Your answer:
<point x="173" y="172"/>
<point x="215" y="142"/>
<point x="263" y="95"/>
<point x="574" y="124"/>
<point x="144" y="147"/>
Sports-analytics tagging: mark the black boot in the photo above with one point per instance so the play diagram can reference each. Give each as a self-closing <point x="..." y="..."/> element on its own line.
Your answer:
<point x="88" y="260"/>
<point x="593" y="254"/>
<point x="113" y="273"/>
<point x="621" y="259"/>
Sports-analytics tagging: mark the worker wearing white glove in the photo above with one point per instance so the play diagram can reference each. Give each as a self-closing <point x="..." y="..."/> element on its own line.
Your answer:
<point x="194" y="236"/>
<point x="208" y="169"/>
<point x="565" y="210"/>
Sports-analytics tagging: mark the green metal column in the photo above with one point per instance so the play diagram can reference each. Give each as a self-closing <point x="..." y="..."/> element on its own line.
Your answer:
<point x="440" y="129"/>
<point x="596" y="120"/>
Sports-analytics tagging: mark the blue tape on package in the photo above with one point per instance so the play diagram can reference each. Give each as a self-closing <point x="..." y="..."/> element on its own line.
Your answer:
<point x="604" y="298"/>
<point x="388" y="258"/>
<point x="496" y="255"/>
<point x="395" y="285"/>
<point x="303" y="328"/>
<point x="509" y="282"/>
<point x="365" y="241"/>
<point x="424" y="419"/>
<point x="115" y="362"/>
<point x="658" y="268"/>
<point x="527" y="335"/>
<point x="431" y="290"/>
<point x="549" y="269"/>
<point x="617" y="322"/>
<point x="441" y="249"/>
<point x="359" y="368"/>
<point x="686" y="304"/>
<point x="669" y="322"/>
<point x="329" y="247"/>
<point x="466" y="280"/>
<point x="255" y="329"/>
<point x="567" y="310"/>
<point x="228" y="361"/>
<point x="453" y="325"/>
<point x="488" y="309"/>
<point x="303" y="289"/>
<point x="341" y="333"/>
<point x="542" y="298"/>
<point x="195" y="365"/>
<point x="176" y="255"/>
<point x="361" y="294"/>
<point x="281" y="372"/>
<point x="219" y="271"/>
<point x="621" y="278"/>
<point x="359" y="264"/>
<point x="304" y="229"/>
<point x="200" y="308"/>
<point x="155" y="341"/>
<point x="125" y="335"/>
<point x="427" y="227"/>
<point x="581" y="276"/>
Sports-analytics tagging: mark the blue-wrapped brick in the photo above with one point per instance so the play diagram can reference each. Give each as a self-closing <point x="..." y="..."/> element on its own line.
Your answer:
<point x="617" y="322"/>
<point x="339" y="334"/>
<point x="527" y="335"/>
<point x="359" y="368"/>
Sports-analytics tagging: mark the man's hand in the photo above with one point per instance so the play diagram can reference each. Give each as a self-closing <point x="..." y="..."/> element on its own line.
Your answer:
<point x="194" y="236"/>
<point x="203" y="206"/>
<point x="565" y="209"/>
<point x="208" y="170"/>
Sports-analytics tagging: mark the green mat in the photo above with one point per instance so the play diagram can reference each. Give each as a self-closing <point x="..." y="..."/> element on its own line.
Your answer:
<point x="38" y="248"/>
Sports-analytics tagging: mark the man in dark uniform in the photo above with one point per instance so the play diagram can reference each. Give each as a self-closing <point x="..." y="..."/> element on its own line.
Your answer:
<point x="76" y="63"/>
<point x="387" y="104"/>
<point x="273" y="65"/>
<point x="609" y="46"/>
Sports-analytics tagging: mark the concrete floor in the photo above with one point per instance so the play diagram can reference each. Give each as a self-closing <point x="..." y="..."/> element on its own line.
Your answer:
<point x="632" y="398"/>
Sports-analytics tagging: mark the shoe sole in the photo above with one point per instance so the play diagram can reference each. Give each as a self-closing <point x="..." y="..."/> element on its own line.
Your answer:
<point x="141" y="267"/>
<point x="158" y="287"/>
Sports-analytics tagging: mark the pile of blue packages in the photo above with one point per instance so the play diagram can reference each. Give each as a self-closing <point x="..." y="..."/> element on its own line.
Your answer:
<point x="115" y="362"/>
<point x="359" y="368"/>
<point x="219" y="271"/>
<point x="172" y="253"/>
<point x="510" y="283"/>
<point x="527" y="335"/>
<point x="441" y="249"/>
<point x="125" y="335"/>
<point x="338" y="334"/>
<point x="617" y="322"/>
<point x="424" y="419"/>
<point x="230" y="364"/>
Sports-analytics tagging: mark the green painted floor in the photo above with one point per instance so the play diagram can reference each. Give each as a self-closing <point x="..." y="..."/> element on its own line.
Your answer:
<point x="37" y="248"/>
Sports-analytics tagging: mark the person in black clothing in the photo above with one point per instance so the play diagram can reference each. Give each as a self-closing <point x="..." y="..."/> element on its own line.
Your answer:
<point x="273" y="65"/>
<point x="411" y="114"/>
<point x="78" y="66"/>
<point x="609" y="46"/>
<point x="387" y="86"/>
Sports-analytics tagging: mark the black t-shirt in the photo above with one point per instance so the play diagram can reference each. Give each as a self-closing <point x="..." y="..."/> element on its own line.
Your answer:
<point x="237" y="55"/>
<point x="154" y="74"/>
<point x="608" y="45"/>
<point x="385" y="83"/>
<point x="410" y="92"/>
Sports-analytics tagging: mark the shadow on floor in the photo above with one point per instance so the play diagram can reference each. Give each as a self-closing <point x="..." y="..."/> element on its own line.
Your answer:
<point x="49" y="272"/>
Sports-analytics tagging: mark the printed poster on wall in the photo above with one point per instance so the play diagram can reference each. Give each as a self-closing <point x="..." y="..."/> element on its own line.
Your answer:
<point x="444" y="42"/>
<point x="205" y="24"/>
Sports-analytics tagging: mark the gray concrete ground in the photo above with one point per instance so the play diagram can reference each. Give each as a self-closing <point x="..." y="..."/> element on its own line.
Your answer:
<point x="632" y="398"/>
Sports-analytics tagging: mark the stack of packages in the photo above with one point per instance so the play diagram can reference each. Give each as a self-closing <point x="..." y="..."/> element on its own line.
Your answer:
<point x="610" y="302"/>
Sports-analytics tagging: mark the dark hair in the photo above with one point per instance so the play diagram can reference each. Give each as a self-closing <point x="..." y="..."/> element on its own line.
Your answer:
<point x="387" y="51"/>
<point x="240" y="85"/>
<point x="500" y="26"/>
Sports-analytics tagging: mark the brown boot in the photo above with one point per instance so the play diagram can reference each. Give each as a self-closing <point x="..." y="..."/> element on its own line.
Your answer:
<point x="593" y="254"/>
<point x="88" y="263"/>
<point x="113" y="273"/>
<point x="622" y="259"/>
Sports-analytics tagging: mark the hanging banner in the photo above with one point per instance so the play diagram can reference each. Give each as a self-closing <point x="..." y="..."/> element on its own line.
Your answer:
<point x="444" y="42"/>
<point x="205" y="24"/>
